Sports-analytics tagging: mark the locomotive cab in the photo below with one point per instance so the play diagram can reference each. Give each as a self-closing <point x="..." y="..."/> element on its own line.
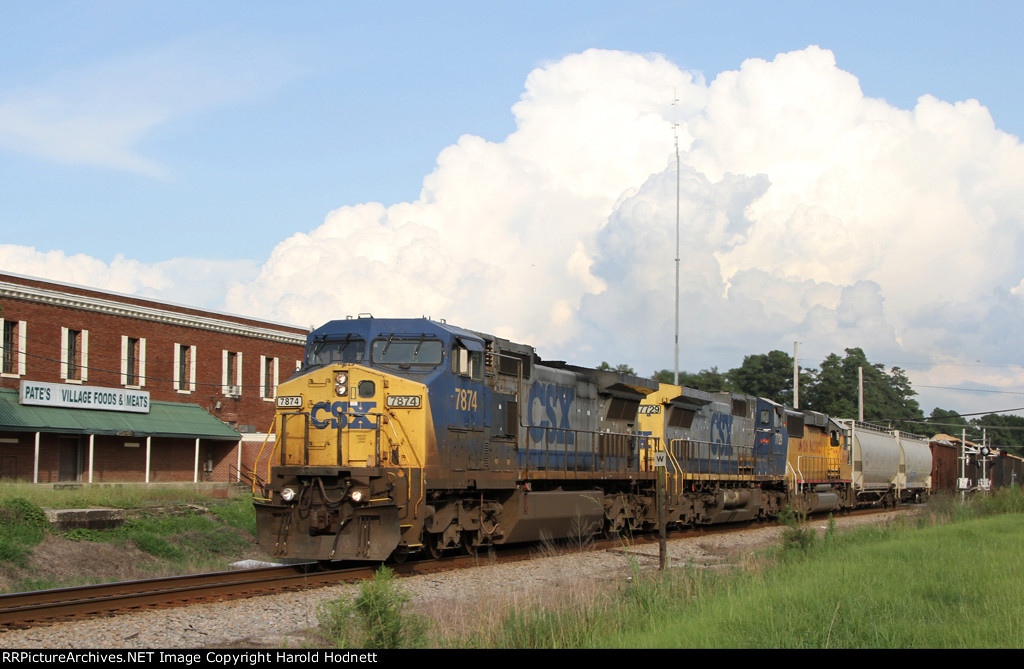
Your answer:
<point x="354" y="429"/>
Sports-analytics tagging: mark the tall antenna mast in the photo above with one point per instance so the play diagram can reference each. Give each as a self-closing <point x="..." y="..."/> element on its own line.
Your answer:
<point x="675" y="136"/>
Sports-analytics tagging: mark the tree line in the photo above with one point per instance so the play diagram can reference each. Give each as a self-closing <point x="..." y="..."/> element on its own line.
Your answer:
<point x="889" y="398"/>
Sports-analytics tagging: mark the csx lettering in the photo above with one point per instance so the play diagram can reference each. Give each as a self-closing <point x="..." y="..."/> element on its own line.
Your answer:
<point x="465" y="400"/>
<point x="721" y="434"/>
<point x="352" y="415"/>
<point x="554" y="404"/>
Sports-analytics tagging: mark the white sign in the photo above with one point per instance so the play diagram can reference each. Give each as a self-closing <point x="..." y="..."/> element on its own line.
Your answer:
<point x="290" y="401"/>
<point x="83" y="397"/>
<point x="660" y="459"/>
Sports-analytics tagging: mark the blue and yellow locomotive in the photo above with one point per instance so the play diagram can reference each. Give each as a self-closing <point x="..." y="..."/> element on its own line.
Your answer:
<point x="409" y="435"/>
<point x="403" y="436"/>
<point x="725" y="454"/>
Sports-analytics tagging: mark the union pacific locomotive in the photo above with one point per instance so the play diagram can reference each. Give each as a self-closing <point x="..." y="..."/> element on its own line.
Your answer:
<point x="402" y="436"/>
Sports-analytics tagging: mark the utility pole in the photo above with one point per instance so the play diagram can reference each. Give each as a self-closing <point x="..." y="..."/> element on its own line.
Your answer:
<point x="796" y="375"/>
<point x="860" y="394"/>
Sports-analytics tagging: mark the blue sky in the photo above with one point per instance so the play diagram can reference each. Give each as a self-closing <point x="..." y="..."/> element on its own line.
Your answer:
<point x="330" y="103"/>
<point x="159" y="147"/>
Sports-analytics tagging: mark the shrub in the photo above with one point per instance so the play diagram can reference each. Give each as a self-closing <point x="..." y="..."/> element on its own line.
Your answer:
<point x="18" y="511"/>
<point x="374" y="619"/>
<point x="796" y="536"/>
<point x="22" y="525"/>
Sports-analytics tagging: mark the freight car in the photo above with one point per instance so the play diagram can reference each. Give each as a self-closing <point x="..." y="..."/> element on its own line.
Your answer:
<point x="889" y="466"/>
<point x="1007" y="470"/>
<point x="980" y="469"/>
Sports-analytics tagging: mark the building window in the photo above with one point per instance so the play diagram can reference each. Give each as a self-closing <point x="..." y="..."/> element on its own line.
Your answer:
<point x="133" y="361"/>
<point x="268" y="377"/>
<point x="231" y="376"/>
<point x="74" y="354"/>
<point x="12" y="341"/>
<point x="184" y="368"/>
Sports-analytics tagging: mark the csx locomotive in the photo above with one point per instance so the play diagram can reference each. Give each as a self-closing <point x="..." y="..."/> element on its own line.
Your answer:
<point x="402" y="436"/>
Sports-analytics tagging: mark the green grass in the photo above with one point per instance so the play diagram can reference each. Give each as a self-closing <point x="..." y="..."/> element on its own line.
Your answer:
<point x="202" y="533"/>
<point x="191" y="538"/>
<point x="22" y="526"/>
<point x="945" y="580"/>
<point x="937" y="587"/>
<point x="118" y="496"/>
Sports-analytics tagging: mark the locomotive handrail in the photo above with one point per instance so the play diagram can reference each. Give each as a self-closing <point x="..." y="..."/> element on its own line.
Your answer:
<point x="677" y="483"/>
<point x="259" y="454"/>
<point x="284" y="436"/>
<point x="413" y="459"/>
<point x="691" y="450"/>
<point x="819" y="473"/>
<point x="584" y="443"/>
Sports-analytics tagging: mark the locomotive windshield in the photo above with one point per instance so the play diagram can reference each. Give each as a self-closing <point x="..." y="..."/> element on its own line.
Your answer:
<point x="393" y="351"/>
<point x="348" y="350"/>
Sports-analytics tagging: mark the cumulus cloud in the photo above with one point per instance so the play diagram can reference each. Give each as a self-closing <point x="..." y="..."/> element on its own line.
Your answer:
<point x="503" y="235"/>
<point x="808" y="213"/>
<point x="187" y="281"/>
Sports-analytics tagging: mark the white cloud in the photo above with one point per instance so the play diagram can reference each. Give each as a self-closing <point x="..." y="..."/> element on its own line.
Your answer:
<point x="503" y="234"/>
<point x="808" y="213"/>
<point x="188" y="281"/>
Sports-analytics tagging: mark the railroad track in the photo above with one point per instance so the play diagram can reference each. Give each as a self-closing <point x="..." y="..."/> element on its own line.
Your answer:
<point x="32" y="608"/>
<point x="63" y="603"/>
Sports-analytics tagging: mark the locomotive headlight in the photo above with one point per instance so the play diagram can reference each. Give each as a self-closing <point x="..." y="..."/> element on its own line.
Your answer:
<point x="341" y="379"/>
<point x="356" y="495"/>
<point x="287" y="494"/>
<point x="341" y="383"/>
<point x="340" y="390"/>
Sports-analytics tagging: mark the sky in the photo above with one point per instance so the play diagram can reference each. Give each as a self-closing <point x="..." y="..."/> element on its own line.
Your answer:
<point x="848" y="173"/>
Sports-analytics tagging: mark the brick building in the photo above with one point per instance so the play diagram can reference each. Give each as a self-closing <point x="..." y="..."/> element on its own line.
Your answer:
<point x="97" y="386"/>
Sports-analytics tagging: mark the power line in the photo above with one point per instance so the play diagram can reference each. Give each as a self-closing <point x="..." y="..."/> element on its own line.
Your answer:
<point x="974" y="390"/>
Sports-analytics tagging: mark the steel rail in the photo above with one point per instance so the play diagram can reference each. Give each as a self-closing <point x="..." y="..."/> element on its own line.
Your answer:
<point x="24" y="607"/>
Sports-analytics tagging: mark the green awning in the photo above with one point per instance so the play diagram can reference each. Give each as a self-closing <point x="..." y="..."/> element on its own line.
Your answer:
<point x="165" y="419"/>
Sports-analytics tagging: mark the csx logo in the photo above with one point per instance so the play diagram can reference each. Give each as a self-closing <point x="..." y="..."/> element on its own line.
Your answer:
<point x="721" y="434"/>
<point x="352" y="415"/>
<point x="550" y="406"/>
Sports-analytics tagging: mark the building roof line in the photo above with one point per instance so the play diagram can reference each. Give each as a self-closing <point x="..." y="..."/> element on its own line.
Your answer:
<point x="168" y="316"/>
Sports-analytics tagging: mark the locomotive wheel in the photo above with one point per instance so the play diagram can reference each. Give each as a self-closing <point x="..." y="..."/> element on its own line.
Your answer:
<point x="466" y="542"/>
<point x="613" y="527"/>
<point x="432" y="545"/>
<point x="400" y="555"/>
